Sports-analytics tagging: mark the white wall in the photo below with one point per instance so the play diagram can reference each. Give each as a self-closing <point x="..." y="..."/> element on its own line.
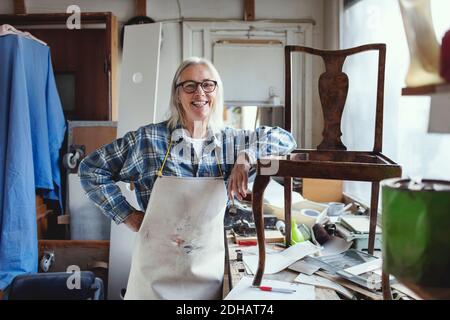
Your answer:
<point x="171" y="48"/>
<point x="332" y="11"/>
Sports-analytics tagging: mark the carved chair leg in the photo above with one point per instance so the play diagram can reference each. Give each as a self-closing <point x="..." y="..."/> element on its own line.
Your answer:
<point x="373" y="215"/>
<point x="259" y="186"/>
<point x="287" y="208"/>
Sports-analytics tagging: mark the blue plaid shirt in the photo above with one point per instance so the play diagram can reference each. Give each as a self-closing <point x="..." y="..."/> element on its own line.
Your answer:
<point x="139" y="155"/>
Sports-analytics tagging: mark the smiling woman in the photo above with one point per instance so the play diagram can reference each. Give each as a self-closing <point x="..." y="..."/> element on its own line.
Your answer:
<point x="179" y="168"/>
<point x="200" y="104"/>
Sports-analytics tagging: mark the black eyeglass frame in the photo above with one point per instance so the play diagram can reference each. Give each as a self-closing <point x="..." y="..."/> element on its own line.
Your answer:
<point x="197" y="84"/>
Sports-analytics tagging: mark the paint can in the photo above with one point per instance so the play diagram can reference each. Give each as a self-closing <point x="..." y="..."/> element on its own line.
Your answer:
<point x="416" y="231"/>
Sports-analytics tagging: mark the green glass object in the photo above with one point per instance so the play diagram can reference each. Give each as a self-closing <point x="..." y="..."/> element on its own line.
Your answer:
<point x="416" y="231"/>
<point x="299" y="233"/>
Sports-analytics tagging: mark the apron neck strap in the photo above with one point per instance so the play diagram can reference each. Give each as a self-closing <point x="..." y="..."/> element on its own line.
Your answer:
<point x="218" y="163"/>
<point x="160" y="171"/>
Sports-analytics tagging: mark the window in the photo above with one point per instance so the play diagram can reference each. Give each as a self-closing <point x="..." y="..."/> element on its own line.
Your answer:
<point x="406" y="139"/>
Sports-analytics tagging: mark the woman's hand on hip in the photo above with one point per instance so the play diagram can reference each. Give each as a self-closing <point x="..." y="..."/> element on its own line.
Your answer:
<point x="134" y="220"/>
<point x="238" y="180"/>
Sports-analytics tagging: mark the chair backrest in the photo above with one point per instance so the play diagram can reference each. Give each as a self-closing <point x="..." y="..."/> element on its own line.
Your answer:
<point x="333" y="89"/>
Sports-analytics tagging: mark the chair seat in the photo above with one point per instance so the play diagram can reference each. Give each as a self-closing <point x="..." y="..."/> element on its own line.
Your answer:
<point x="332" y="164"/>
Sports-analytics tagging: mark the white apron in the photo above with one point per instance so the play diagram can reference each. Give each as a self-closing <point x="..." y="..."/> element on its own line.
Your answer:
<point x="179" y="250"/>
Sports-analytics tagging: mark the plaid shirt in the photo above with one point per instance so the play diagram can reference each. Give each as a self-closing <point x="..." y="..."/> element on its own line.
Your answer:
<point x="139" y="155"/>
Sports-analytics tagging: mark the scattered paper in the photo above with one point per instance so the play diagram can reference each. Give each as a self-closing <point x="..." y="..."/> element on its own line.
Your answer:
<point x="379" y="272"/>
<point x="365" y="267"/>
<point x="323" y="283"/>
<point x="247" y="269"/>
<point x="303" y="267"/>
<point x="254" y="250"/>
<point x="244" y="291"/>
<point x="335" y="245"/>
<point x="276" y="262"/>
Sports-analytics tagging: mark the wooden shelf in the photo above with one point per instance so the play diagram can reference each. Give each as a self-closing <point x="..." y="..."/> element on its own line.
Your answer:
<point x="53" y="18"/>
<point x="426" y="90"/>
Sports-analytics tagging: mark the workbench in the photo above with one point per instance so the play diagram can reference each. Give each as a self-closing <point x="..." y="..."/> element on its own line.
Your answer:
<point x="235" y="270"/>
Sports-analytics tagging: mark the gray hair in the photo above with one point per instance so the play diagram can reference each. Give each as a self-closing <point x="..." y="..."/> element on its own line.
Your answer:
<point x="215" y="118"/>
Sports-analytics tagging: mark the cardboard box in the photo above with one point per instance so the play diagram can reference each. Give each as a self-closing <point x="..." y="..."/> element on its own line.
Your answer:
<point x="322" y="190"/>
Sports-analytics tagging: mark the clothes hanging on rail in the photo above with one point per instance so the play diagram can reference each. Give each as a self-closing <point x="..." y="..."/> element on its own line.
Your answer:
<point x="9" y="29"/>
<point x="32" y="129"/>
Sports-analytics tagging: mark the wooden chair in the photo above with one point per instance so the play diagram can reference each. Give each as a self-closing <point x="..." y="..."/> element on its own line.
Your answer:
<point x="331" y="160"/>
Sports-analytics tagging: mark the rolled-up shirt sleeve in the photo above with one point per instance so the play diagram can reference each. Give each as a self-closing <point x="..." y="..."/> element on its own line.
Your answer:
<point x="265" y="142"/>
<point x="100" y="171"/>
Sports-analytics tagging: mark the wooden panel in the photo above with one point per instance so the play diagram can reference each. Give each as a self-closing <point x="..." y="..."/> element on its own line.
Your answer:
<point x="44" y="214"/>
<point x="249" y="10"/>
<point x="19" y="7"/>
<point x="42" y="217"/>
<point x="426" y="90"/>
<point x="141" y="7"/>
<point x="52" y="18"/>
<point x="114" y="62"/>
<point x="80" y="53"/>
<point x="42" y="225"/>
<point x="39" y="200"/>
<point x="93" y="137"/>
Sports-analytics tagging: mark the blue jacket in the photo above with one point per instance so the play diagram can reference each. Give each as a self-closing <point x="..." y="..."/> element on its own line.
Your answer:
<point x="32" y="128"/>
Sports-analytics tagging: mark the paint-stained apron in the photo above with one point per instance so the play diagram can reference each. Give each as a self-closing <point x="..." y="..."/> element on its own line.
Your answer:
<point x="179" y="251"/>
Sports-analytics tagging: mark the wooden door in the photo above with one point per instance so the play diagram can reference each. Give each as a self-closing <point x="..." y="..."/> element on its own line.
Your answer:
<point x="80" y="63"/>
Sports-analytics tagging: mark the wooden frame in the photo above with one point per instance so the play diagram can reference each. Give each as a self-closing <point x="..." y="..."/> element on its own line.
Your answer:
<point x="141" y="7"/>
<point x="20" y="7"/>
<point x="249" y="10"/>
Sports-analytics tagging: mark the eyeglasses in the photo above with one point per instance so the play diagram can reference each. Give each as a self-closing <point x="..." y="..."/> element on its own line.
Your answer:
<point x="190" y="86"/>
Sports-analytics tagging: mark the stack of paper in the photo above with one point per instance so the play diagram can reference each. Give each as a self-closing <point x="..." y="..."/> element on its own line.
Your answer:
<point x="358" y="224"/>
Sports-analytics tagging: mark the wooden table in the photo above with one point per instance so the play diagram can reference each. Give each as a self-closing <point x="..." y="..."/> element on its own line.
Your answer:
<point x="235" y="270"/>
